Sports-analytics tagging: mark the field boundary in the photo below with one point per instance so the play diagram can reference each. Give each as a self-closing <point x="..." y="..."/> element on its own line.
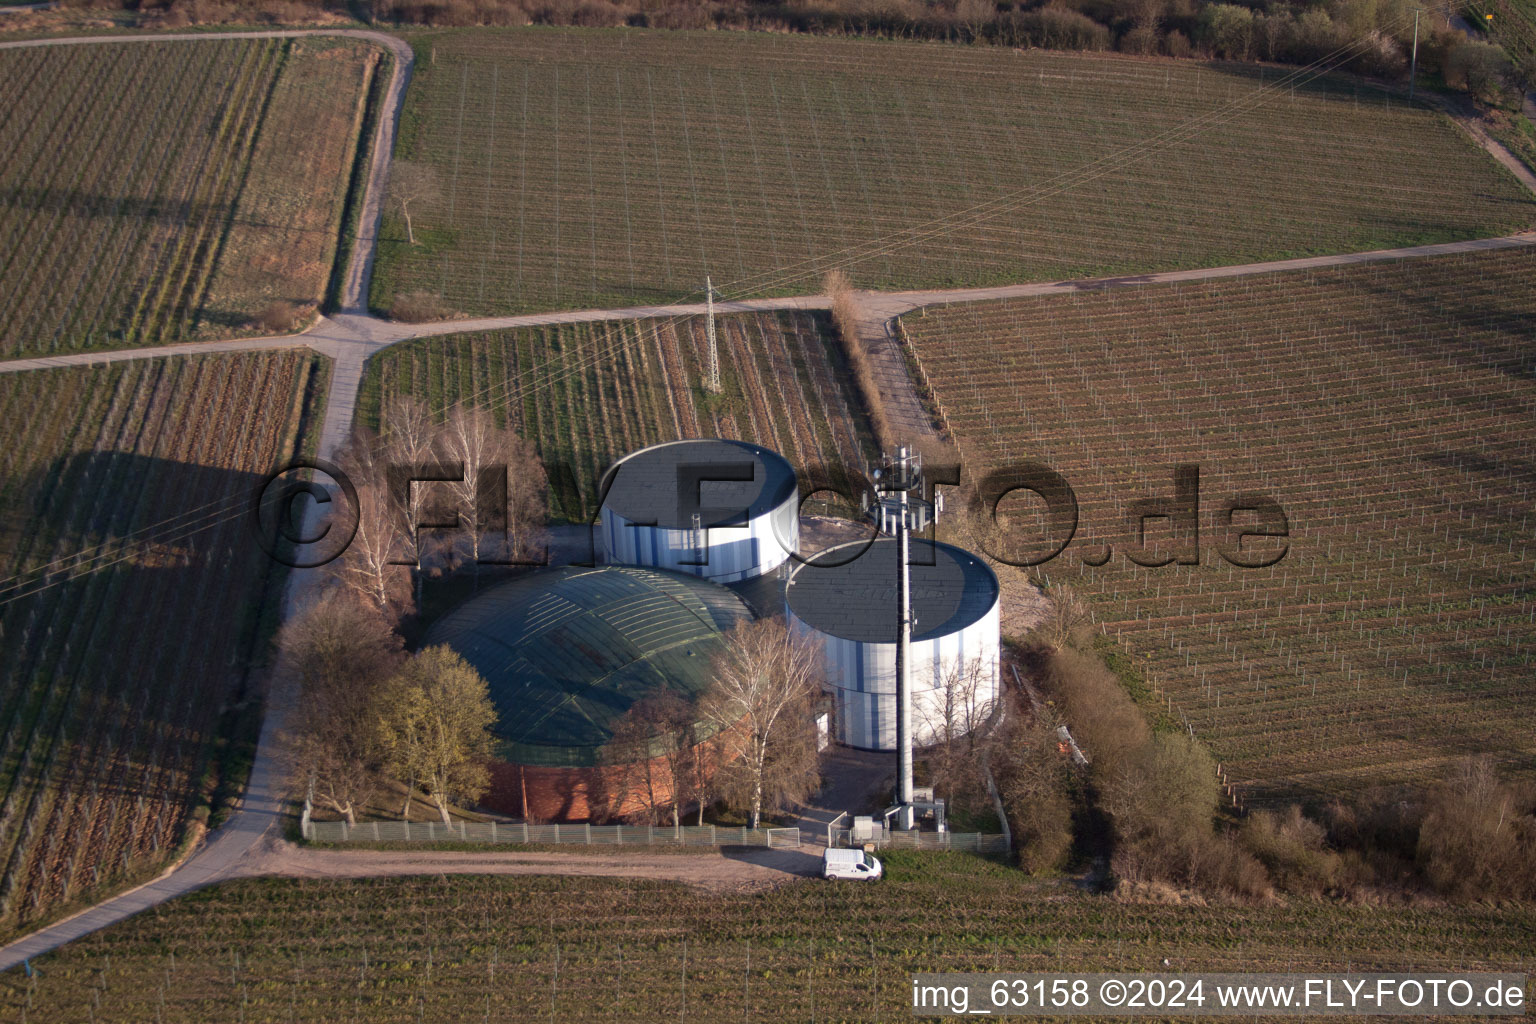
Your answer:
<point x="522" y="833"/>
<point x="373" y="334"/>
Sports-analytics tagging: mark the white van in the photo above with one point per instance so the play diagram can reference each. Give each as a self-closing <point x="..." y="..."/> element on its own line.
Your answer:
<point x="849" y="864"/>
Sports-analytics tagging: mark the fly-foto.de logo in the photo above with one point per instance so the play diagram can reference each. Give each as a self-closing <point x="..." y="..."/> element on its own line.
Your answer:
<point x="1026" y="514"/>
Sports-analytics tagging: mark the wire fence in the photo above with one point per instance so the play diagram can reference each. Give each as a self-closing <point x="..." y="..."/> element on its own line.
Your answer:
<point x="492" y="832"/>
<point x="973" y="842"/>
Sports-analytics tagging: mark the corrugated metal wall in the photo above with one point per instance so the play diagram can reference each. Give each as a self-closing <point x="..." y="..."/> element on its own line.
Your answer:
<point x="955" y="676"/>
<point x="734" y="552"/>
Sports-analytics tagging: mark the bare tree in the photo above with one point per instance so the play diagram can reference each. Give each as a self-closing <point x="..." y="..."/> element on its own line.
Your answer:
<point x="1068" y="620"/>
<point x="410" y="442"/>
<point x="471" y="439"/>
<point x="370" y="565"/>
<point x="650" y="759"/>
<point x="412" y="184"/>
<point x="765" y="687"/>
<point x="527" y="500"/>
<point x="951" y="720"/>
<point x="341" y="649"/>
<point x="1478" y="837"/>
<point x="630" y="775"/>
<point x="975" y="15"/>
<point x="502" y="473"/>
<point x="673" y="718"/>
<point x="434" y="725"/>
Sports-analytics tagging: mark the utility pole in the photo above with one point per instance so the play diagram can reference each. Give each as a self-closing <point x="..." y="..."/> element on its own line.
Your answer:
<point x="1413" y="65"/>
<point x="714" y="355"/>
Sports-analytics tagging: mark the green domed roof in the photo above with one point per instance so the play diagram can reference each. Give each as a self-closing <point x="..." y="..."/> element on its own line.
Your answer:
<point x="565" y="652"/>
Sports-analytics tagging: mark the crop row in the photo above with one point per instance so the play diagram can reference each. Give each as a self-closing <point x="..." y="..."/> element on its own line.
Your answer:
<point x="586" y="394"/>
<point x="591" y="171"/>
<point x="124" y="510"/>
<point x="1387" y="409"/>
<point x="498" y="948"/>
<point x="136" y="178"/>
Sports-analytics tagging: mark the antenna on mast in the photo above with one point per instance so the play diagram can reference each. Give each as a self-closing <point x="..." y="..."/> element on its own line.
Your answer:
<point x="899" y="513"/>
<point x="713" y="383"/>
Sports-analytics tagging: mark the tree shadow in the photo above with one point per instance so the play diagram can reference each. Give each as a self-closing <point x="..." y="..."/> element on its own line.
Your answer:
<point x="130" y="656"/>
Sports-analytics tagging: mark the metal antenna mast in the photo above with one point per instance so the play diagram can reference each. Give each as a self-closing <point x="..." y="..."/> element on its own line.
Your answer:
<point x="902" y="474"/>
<point x="714" y="355"/>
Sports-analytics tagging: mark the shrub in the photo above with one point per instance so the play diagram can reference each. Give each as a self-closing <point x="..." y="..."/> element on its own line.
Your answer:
<point x="1313" y="36"/>
<point x="1032" y="784"/>
<point x="1141" y="39"/>
<point x="1104" y="720"/>
<point x="597" y="14"/>
<point x="1068" y="621"/>
<point x="1478" y="839"/>
<point x="418" y="307"/>
<point x="1163" y="795"/>
<point x="845" y="324"/>
<point x="1478" y="68"/>
<point x="1382" y="56"/>
<point x="1226" y="30"/>
<point x="1176" y="44"/>
<point x="1053" y="28"/>
<point x="1294" y="849"/>
<point x="279" y="316"/>
<point x="1162" y="799"/>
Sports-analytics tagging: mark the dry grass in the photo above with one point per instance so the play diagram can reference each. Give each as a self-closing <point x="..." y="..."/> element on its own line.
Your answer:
<point x="845" y="322"/>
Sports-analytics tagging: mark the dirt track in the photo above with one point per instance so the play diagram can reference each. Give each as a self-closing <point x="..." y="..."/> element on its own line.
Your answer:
<point x="730" y="870"/>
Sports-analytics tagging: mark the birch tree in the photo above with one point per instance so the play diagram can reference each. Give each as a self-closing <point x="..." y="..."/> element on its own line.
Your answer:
<point x="370" y="565"/>
<point x="503" y="486"/>
<point x="765" y="688"/>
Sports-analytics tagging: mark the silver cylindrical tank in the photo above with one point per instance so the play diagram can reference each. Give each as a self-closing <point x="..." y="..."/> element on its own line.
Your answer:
<point x="843" y="600"/>
<point x="722" y="510"/>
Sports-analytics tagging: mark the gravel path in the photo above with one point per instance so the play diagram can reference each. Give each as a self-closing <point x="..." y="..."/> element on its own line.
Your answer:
<point x="727" y="869"/>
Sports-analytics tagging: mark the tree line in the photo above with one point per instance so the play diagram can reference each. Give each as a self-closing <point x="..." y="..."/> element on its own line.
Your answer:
<point x="369" y="713"/>
<point x="1150" y="805"/>
<point x="1377" y="32"/>
<point x="438" y="496"/>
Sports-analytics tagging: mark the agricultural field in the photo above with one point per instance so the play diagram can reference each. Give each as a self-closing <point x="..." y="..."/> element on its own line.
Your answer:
<point x="1390" y="409"/>
<point x="585" y="394"/>
<point x="588" y="169"/>
<point x="132" y="604"/>
<point x="162" y="192"/>
<point x="527" y="949"/>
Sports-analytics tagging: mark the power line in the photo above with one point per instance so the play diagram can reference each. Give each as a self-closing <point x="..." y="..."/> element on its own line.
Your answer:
<point x="812" y="266"/>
